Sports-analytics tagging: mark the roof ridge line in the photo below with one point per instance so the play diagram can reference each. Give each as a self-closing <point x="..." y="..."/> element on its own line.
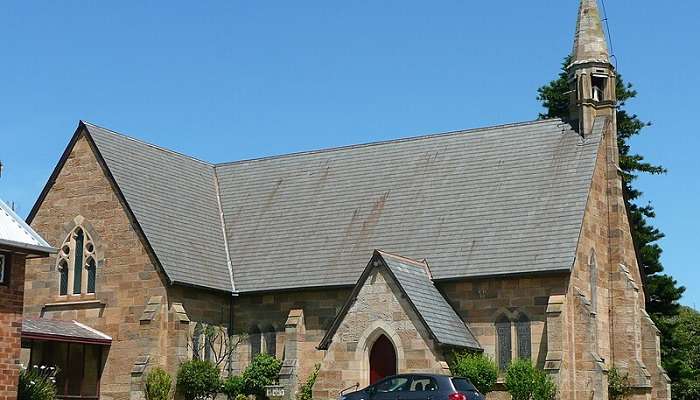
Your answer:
<point x="416" y="263"/>
<point x="93" y="330"/>
<point x="155" y="146"/>
<point x="389" y="141"/>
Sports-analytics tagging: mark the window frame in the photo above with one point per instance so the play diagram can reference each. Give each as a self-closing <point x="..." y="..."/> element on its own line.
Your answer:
<point x="523" y="334"/>
<point x="504" y="324"/>
<point x="255" y="339"/>
<point x="5" y="269"/>
<point x="81" y="264"/>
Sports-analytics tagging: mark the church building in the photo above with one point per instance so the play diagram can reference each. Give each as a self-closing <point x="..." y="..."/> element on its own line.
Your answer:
<point x="367" y="260"/>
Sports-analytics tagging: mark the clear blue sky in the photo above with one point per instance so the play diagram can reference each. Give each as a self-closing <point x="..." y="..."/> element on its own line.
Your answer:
<point x="227" y="80"/>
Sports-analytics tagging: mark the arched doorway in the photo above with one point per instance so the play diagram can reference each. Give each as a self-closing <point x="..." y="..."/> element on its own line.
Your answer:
<point x="382" y="359"/>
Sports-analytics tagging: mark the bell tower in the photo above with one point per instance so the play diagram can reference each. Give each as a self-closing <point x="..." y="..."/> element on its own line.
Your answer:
<point x="591" y="75"/>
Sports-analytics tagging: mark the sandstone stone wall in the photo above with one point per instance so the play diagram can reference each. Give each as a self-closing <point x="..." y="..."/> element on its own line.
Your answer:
<point x="481" y="301"/>
<point x="379" y="309"/>
<point x="208" y="308"/>
<point x="604" y="317"/>
<point x="272" y="310"/>
<point x="126" y="275"/>
<point x="10" y="326"/>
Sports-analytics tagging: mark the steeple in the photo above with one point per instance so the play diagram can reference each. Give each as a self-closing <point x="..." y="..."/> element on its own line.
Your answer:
<point x="589" y="44"/>
<point x="591" y="75"/>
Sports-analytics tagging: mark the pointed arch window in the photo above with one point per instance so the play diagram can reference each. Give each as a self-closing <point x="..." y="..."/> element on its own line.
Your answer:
<point x="76" y="261"/>
<point x="197" y="340"/>
<point x="271" y="341"/>
<point x="255" y="342"/>
<point x="503" y="339"/>
<point x="593" y="272"/>
<point x="524" y="337"/>
<point x="63" y="277"/>
<point x="79" y="238"/>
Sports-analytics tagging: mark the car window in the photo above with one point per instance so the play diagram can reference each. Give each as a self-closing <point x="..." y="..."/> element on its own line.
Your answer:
<point x="463" y="385"/>
<point x="396" y="384"/>
<point x="423" y="384"/>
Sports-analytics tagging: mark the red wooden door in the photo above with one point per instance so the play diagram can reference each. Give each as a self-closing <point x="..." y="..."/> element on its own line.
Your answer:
<point x="382" y="360"/>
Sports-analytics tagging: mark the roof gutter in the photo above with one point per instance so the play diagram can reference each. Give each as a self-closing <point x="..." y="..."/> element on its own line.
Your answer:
<point x="26" y="248"/>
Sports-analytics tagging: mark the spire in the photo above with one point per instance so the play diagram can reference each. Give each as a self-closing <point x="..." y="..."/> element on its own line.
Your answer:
<point x="590" y="44"/>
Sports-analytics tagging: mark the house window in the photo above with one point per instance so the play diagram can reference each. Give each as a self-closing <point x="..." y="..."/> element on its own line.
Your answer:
<point x="76" y="266"/>
<point x="503" y="340"/>
<point x="4" y="269"/>
<point x="524" y="337"/>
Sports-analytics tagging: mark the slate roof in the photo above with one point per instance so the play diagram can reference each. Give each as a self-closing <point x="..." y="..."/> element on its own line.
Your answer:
<point x="51" y="329"/>
<point x="440" y="318"/>
<point x="16" y="235"/>
<point x="174" y="200"/>
<point x="413" y="279"/>
<point x="492" y="201"/>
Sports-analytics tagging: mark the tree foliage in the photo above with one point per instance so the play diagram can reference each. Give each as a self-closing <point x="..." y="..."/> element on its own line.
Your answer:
<point x="232" y="387"/>
<point x="306" y="390"/>
<point x="213" y="342"/>
<point x="158" y="385"/>
<point x="618" y="385"/>
<point x="261" y="372"/>
<point x="685" y="365"/>
<point x="481" y="370"/>
<point x="525" y="382"/>
<point x="662" y="291"/>
<point x="38" y="383"/>
<point x="198" y="380"/>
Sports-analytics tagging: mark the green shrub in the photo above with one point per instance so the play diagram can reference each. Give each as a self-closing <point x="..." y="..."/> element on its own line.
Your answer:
<point x="525" y="382"/>
<point x="262" y="371"/>
<point x="481" y="370"/>
<point x="544" y="388"/>
<point x="520" y="379"/>
<point x="198" y="379"/>
<point x="158" y="385"/>
<point x="233" y="387"/>
<point x="37" y="383"/>
<point x="307" y="388"/>
<point x="618" y="385"/>
<point x="241" y="397"/>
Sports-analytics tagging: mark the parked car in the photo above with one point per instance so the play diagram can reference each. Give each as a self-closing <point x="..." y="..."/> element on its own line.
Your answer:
<point x="418" y="387"/>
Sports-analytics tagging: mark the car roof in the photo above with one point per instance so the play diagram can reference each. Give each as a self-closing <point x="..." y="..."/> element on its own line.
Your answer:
<point x="431" y="375"/>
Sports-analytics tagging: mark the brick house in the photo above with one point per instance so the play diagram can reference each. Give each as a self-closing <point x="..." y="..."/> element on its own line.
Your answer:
<point x="18" y="242"/>
<point x="368" y="260"/>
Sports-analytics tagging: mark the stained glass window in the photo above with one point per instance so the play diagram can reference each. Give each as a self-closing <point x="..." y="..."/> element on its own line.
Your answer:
<point x="503" y="337"/>
<point x="78" y="261"/>
<point x="92" y="271"/>
<point x="524" y="337"/>
<point x="77" y="254"/>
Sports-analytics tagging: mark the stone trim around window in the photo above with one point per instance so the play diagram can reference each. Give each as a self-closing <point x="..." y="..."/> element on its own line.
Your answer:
<point x="79" y="258"/>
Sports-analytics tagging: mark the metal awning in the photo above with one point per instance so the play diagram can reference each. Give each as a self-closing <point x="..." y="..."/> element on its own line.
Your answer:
<point x="17" y="236"/>
<point x="62" y="331"/>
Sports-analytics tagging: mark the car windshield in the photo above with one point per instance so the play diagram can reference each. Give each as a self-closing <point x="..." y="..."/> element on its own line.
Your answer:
<point x="463" y="385"/>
